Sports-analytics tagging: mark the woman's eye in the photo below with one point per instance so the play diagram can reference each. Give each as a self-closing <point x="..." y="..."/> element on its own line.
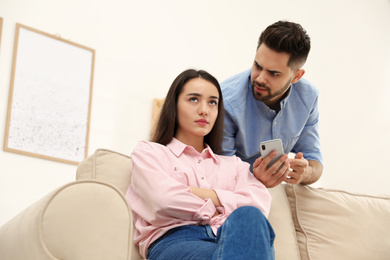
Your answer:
<point x="213" y="102"/>
<point x="193" y="99"/>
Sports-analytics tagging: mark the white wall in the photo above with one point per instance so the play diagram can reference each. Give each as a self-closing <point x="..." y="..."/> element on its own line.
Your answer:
<point x="142" y="45"/>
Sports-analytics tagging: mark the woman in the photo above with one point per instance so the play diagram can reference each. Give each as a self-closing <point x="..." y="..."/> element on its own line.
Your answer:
<point x="187" y="201"/>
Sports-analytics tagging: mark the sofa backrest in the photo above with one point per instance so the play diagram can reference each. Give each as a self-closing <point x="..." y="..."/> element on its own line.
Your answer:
<point x="335" y="224"/>
<point x="107" y="166"/>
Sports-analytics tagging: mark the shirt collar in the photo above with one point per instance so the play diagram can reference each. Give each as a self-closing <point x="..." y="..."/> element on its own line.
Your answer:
<point x="284" y="100"/>
<point x="179" y="148"/>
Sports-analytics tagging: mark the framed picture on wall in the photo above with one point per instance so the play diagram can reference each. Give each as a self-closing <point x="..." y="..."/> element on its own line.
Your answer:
<point x="50" y="97"/>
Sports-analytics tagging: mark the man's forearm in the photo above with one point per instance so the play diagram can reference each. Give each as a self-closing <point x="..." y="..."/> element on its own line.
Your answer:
<point x="313" y="173"/>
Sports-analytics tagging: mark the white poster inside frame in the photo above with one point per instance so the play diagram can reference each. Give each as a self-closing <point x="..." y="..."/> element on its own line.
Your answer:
<point x="50" y="97"/>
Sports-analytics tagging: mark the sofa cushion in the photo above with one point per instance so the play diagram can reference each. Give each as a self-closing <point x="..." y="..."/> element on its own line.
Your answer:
<point x="332" y="224"/>
<point x="107" y="166"/>
<point x="280" y="217"/>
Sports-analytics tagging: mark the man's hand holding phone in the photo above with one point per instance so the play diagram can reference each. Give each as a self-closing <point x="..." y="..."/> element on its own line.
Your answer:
<point x="273" y="166"/>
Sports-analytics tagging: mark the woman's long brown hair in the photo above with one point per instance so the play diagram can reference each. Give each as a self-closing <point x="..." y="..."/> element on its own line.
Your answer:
<point x="166" y="125"/>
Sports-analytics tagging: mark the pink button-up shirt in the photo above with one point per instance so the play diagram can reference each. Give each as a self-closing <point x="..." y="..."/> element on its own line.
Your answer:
<point x="160" y="197"/>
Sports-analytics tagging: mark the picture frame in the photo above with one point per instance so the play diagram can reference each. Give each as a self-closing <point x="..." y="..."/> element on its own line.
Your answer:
<point x="50" y="97"/>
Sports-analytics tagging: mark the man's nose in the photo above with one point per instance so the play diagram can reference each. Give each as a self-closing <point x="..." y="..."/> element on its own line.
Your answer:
<point x="261" y="78"/>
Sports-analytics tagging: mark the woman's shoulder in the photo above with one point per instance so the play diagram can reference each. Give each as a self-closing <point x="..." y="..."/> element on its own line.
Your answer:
<point x="147" y="145"/>
<point x="233" y="160"/>
<point x="230" y="158"/>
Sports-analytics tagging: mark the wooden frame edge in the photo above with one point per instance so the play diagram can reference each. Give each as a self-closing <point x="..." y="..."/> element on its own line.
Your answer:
<point x="11" y="90"/>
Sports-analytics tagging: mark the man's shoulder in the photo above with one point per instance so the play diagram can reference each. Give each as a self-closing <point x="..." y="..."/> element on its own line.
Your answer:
<point x="305" y="94"/>
<point x="235" y="88"/>
<point x="304" y="86"/>
<point x="236" y="82"/>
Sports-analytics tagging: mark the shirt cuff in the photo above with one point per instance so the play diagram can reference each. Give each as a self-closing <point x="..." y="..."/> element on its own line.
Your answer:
<point x="206" y="211"/>
<point x="227" y="200"/>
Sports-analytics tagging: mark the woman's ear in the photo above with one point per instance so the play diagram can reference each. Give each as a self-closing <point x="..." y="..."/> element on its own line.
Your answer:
<point x="298" y="75"/>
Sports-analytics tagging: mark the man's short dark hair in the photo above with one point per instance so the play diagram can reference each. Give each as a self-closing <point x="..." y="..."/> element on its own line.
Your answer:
<point x="289" y="37"/>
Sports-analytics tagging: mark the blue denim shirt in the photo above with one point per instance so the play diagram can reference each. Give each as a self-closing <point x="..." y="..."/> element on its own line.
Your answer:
<point x="249" y="121"/>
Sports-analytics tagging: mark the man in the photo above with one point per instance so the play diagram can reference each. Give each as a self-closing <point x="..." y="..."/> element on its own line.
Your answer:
<point x="271" y="101"/>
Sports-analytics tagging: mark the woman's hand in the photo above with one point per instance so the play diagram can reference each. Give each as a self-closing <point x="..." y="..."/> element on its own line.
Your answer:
<point x="206" y="194"/>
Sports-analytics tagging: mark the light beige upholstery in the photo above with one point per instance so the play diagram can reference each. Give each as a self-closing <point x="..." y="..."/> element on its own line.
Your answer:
<point x="90" y="219"/>
<point x="280" y="217"/>
<point x="81" y="220"/>
<point x="112" y="167"/>
<point x="107" y="166"/>
<point x="337" y="225"/>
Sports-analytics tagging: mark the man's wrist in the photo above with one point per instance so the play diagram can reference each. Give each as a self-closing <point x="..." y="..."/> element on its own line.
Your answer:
<point x="306" y="178"/>
<point x="312" y="173"/>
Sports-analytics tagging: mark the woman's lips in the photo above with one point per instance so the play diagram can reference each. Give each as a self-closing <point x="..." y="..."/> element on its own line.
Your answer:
<point x="202" y="122"/>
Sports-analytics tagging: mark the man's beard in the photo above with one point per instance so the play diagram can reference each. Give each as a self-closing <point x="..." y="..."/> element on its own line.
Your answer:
<point x="264" y="98"/>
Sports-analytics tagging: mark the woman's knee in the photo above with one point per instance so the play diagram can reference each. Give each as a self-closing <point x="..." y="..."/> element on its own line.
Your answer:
<point x="252" y="218"/>
<point x="248" y="211"/>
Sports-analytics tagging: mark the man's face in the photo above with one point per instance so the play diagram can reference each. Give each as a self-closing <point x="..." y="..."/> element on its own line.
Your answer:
<point x="271" y="76"/>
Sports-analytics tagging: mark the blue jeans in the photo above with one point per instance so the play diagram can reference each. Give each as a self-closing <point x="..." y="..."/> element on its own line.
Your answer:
<point x="246" y="234"/>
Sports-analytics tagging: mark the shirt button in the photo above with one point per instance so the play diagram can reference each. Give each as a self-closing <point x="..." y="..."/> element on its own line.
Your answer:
<point x="199" y="161"/>
<point x="275" y="123"/>
<point x="202" y="178"/>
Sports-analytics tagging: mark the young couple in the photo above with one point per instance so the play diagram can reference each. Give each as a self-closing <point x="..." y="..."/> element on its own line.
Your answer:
<point x="187" y="201"/>
<point x="190" y="202"/>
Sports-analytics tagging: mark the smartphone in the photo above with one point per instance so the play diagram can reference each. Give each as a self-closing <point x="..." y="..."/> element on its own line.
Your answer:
<point x="272" y="145"/>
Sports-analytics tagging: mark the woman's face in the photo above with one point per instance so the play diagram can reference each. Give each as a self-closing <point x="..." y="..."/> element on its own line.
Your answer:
<point x="197" y="110"/>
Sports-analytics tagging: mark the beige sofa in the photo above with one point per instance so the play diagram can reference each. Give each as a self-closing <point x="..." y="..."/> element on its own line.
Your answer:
<point x="90" y="219"/>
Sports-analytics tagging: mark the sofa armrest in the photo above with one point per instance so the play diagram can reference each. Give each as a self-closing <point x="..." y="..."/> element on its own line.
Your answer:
<point x="81" y="220"/>
<point x="107" y="166"/>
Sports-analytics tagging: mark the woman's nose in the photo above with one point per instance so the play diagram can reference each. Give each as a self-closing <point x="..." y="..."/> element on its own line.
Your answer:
<point x="203" y="109"/>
